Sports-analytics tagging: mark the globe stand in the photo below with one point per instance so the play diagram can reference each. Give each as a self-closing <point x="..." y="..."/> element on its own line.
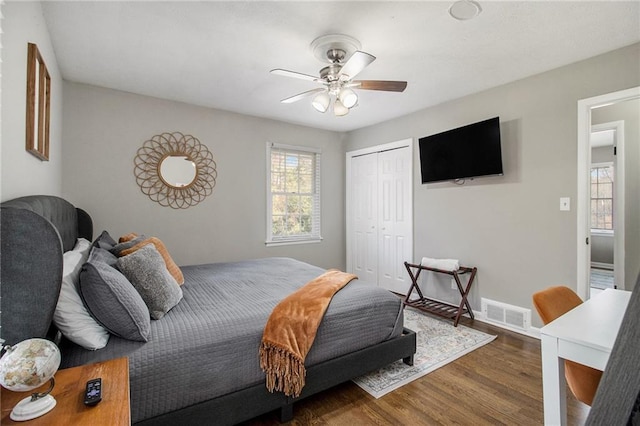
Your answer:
<point x="34" y="406"/>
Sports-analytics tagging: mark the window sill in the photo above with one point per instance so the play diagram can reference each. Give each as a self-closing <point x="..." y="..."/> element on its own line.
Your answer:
<point x="292" y="242"/>
<point x="602" y="232"/>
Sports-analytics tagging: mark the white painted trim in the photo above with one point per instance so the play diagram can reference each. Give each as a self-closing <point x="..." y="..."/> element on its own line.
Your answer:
<point x="379" y="148"/>
<point x="530" y="332"/>
<point x="479" y="316"/>
<point x="602" y="265"/>
<point x="603" y="233"/>
<point x="618" y="199"/>
<point x="364" y="151"/>
<point x="618" y="186"/>
<point x="299" y="148"/>
<point x="314" y="237"/>
<point x="603" y="164"/>
<point x="584" y="163"/>
<point x="292" y="242"/>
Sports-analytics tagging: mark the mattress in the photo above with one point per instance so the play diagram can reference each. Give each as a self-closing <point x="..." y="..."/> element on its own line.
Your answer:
<point x="207" y="346"/>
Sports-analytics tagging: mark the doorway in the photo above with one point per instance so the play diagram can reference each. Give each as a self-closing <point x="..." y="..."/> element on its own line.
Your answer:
<point x="625" y="247"/>
<point x="606" y="204"/>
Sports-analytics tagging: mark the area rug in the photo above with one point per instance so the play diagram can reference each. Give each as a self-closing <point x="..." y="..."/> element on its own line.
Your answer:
<point x="438" y="343"/>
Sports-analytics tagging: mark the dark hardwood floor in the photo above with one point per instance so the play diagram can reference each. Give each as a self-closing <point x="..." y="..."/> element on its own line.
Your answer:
<point x="497" y="384"/>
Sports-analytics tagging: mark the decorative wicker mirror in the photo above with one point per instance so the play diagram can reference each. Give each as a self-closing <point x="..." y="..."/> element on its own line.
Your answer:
<point x="175" y="170"/>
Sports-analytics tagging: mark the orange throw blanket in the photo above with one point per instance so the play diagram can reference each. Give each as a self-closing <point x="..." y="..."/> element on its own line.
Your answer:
<point x="291" y="330"/>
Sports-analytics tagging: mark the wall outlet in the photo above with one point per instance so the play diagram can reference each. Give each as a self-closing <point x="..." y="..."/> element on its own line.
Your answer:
<point x="454" y="286"/>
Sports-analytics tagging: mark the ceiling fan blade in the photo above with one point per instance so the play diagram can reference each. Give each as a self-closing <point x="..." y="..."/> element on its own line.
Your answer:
<point x="302" y="95"/>
<point x="356" y="63"/>
<point x="287" y="73"/>
<point x="386" y="85"/>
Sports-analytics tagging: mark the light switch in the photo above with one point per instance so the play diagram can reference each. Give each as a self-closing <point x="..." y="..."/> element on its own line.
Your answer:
<point x="565" y="204"/>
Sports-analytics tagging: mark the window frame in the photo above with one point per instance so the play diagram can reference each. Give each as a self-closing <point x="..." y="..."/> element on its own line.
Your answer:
<point x="315" y="236"/>
<point x="602" y="231"/>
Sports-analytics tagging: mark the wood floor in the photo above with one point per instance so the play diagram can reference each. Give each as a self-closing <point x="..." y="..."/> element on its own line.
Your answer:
<point x="497" y="384"/>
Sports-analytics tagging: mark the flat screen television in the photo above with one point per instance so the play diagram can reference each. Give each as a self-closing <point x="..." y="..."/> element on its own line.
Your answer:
<point x="466" y="152"/>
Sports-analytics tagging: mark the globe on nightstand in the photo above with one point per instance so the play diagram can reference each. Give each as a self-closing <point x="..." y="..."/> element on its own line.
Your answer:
<point x="26" y="366"/>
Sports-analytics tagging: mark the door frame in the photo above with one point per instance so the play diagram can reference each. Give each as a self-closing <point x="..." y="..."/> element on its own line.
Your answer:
<point x="583" y="194"/>
<point x="618" y="199"/>
<point x="365" y="151"/>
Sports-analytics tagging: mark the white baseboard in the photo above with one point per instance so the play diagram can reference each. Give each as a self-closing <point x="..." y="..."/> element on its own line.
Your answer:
<point x="531" y="332"/>
<point x="479" y="316"/>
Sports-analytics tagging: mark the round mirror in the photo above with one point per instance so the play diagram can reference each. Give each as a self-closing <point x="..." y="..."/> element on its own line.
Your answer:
<point x="175" y="170"/>
<point x="178" y="170"/>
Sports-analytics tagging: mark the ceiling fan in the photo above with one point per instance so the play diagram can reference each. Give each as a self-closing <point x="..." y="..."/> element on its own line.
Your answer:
<point x="345" y="62"/>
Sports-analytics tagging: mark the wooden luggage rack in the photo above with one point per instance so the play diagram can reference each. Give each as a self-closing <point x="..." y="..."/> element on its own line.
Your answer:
<point x="435" y="307"/>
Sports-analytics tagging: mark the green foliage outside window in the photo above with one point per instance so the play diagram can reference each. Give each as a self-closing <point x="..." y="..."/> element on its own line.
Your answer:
<point x="292" y="193"/>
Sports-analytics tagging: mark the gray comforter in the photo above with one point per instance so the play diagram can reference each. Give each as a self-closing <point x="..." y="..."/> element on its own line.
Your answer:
<point x="207" y="346"/>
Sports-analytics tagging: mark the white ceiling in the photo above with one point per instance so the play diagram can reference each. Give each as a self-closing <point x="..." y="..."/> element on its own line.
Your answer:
<point x="219" y="54"/>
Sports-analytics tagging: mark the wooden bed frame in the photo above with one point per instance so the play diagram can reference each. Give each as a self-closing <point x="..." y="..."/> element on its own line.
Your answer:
<point x="37" y="230"/>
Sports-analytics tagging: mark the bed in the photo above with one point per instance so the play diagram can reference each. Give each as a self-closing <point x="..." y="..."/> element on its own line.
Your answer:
<point x="201" y="358"/>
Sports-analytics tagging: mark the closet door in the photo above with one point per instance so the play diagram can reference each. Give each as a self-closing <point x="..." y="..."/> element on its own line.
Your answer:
<point x="380" y="214"/>
<point x="395" y="224"/>
<point x="364" y="217"/>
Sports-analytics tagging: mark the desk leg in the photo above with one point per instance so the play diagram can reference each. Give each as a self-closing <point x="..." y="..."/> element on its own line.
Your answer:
<point x="554" y="388"/>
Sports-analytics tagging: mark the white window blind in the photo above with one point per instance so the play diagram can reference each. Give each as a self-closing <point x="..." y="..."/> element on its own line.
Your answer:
<point x="293" y="194"/>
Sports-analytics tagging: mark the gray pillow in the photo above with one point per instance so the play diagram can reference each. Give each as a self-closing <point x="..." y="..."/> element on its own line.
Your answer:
<point x="103" y="256"/>
<point x="148" y="273"/>
<point x="104" y="241"/>
<point x="112" y="300"/>
<point x="117" y="248"/>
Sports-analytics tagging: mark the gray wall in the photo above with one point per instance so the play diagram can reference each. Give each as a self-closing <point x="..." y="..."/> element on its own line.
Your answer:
<point x="22" y="173"/>
<point x="104" y="128"/>
<point x="510" y="227"/>
<point x="602" y="248"/>
<point x="629" y="111"/>
<point x="602" y="154"/>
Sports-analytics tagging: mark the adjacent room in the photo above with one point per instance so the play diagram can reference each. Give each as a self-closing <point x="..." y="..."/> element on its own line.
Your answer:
<point x="320" y="212"/>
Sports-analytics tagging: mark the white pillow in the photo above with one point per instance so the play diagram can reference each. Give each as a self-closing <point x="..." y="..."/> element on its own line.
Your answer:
<point x="71" y="317"/>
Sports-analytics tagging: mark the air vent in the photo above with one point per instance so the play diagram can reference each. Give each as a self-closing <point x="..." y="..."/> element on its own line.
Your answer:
<point x="509" y="316"/>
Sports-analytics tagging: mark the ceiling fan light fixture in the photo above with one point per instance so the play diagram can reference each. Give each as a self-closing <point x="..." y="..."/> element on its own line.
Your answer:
<point x="348" y="97"/>
<point x="321" y="102"/>
<point x="346" y="61"/>
<point x="463" y="10"/>
<point x="339" y="109"/>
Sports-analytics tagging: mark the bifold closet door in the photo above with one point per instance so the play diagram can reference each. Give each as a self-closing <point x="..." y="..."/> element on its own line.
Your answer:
<point x="395" y="224"/>
<point x="364" y="184"/>
<point x="381" y="216"/>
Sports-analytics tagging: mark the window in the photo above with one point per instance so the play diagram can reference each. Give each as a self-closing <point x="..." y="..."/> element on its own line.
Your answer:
<point x="293" y="194"/>
<point x="602" y="196"/>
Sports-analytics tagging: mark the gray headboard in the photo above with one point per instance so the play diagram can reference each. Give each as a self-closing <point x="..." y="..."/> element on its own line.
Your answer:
<point x="34" y="233"/>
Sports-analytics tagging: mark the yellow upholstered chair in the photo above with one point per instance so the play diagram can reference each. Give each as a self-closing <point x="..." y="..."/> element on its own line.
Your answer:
<point x="550" y="304"/>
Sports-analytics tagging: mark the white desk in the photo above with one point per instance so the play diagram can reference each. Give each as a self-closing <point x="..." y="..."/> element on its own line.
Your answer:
<point x="585" y="335"/>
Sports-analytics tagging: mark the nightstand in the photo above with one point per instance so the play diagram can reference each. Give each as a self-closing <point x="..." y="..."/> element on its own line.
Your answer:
<point x="69" y="394"/>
